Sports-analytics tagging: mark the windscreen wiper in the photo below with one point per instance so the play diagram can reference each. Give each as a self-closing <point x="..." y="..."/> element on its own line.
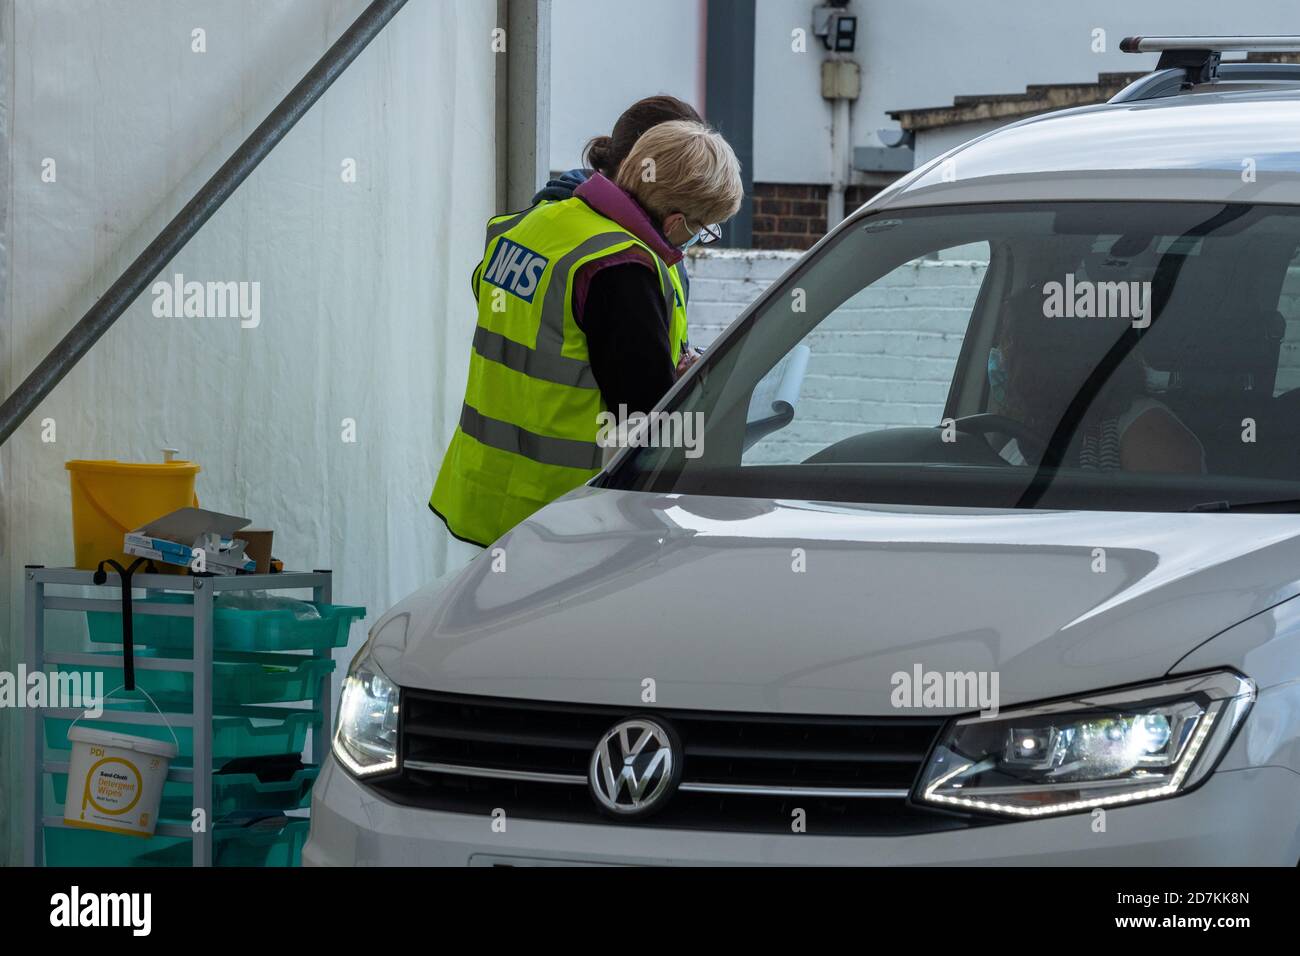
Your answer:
<point x="1281" y="505"/>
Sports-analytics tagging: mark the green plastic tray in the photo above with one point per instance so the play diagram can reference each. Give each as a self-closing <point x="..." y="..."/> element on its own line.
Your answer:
<point x="240" y="677"/>
<point x="237" y="732"/>
<point x="234" y="629"/>
<point x="231" y="846"/>
<point x="231" y="792"/>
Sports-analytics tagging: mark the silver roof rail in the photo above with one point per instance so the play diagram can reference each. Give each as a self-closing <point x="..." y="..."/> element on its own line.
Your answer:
<point x="1186" y="62"/>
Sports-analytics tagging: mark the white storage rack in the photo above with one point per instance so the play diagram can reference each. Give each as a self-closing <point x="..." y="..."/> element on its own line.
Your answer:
<point x="204" y="588"/>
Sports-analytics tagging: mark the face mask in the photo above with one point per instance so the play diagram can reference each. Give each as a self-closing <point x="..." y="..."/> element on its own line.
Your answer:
<point x="997" y="377"/>
<point x="695" y="236"/>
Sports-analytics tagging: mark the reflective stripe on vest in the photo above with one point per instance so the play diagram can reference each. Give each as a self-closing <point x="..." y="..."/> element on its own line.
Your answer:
<point x="561" y="452"/>
<point x="550" y="337"/>
<point x="546" y="366"/>
<point x="502" y="225"/>
<point x="670" y="297"/>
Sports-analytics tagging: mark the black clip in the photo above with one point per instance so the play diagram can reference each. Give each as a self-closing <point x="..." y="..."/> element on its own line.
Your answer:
<point x="128" y="643"/>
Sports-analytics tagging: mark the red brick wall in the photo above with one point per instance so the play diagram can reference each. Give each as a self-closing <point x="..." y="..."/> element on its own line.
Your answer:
<point x="793" y="215"/>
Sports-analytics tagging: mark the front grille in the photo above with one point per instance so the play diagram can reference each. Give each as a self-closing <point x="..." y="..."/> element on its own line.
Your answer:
<point x="740" y="771"/>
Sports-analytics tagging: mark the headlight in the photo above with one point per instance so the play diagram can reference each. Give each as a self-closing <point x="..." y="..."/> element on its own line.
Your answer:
<point x="1110" y="748"/>
<point x="366" y="739"/>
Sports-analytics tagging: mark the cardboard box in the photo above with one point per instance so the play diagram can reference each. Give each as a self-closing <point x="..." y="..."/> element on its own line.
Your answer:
<point x="257" y="545"/>
<point x="179" y="538"/>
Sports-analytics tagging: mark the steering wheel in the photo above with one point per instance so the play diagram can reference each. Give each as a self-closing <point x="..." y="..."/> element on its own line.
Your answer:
<point x="985" y="423"/>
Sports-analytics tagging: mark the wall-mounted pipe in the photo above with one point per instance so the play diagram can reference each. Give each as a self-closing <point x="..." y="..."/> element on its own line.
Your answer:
<point x="841" y="161"/>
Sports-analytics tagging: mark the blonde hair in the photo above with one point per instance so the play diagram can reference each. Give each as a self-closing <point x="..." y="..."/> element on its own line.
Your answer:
<point x="683" y="166"/>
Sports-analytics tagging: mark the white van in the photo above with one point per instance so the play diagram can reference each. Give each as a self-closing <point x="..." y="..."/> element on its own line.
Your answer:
<point x="990" y="552"/>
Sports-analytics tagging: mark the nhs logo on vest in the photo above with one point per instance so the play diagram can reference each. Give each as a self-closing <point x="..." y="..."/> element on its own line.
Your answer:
<point x="515" y="269"/>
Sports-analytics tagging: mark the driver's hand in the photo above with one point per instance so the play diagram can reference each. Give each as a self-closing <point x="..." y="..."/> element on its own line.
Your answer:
<point x="689" y="358"/>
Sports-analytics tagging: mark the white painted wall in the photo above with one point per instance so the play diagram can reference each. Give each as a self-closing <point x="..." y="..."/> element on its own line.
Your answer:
<point x="366" y="311"/>
<point x="915" y="54"/>
<point x="607" y="55"/>
<point x="724" y="282"/>
<point x="924" y="52"/>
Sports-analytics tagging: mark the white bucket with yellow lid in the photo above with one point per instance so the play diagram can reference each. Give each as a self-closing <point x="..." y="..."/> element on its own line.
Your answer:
<point x="115" y="780"/>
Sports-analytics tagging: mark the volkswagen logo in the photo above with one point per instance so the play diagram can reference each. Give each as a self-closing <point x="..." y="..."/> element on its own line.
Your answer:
<point x="634" y="767"/>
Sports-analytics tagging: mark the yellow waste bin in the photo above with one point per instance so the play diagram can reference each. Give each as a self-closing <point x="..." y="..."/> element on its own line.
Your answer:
<point x="110" y="498"/>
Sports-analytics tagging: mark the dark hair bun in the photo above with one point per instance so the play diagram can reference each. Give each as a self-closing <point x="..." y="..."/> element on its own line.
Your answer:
<point x="599" y="155"/>
<point x="605" y="154"/>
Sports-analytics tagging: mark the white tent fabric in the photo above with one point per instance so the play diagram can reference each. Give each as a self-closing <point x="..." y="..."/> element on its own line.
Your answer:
<point x="365" y="311"/>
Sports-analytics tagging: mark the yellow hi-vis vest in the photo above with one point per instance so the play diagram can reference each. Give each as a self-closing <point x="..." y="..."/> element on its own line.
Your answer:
<point x="528" y="427"/>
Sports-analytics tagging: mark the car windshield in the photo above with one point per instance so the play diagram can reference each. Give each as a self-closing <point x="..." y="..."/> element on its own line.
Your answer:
<point x="1082" y="355"/>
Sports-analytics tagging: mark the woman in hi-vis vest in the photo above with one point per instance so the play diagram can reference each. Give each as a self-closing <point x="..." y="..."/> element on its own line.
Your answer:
<point x="580" y="312"/>
<point x="604" y="154"/>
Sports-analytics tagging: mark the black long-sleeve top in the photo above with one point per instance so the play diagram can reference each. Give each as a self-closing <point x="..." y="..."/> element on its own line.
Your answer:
<point x="625" y="319"/>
